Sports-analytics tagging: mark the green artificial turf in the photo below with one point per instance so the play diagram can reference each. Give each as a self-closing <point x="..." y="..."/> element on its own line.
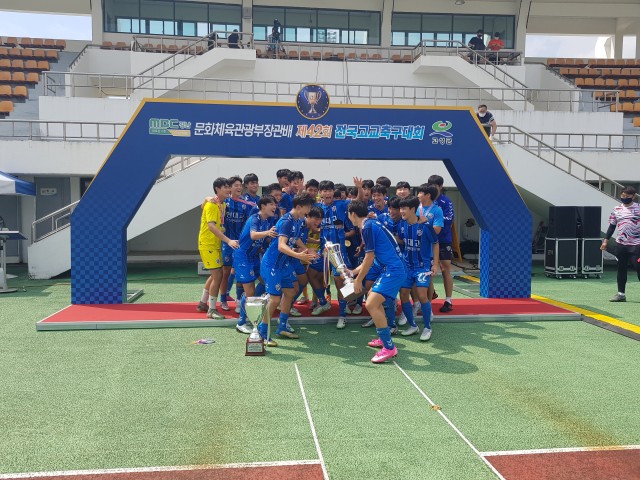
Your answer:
<point x="135" y="398"/>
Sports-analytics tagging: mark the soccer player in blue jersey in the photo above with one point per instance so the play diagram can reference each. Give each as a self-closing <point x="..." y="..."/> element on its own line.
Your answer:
<point x="445" y="240"/>
<point x="429" y="212"/>
<point x="382" y="249"/>
<point x="275" y="268"/>
<point x="252" y="185"/>
<point x="332" y="230"/>
<point x="294" y="187"/>
<point x="246" y="259"/>
<point x="275" y="191"/>
<point x="378" y="197"/>
<point x="420" y="246"/>
<point x="384" y="181"/>
<point x="283" y="177"/>
<point x="236" y="212"/>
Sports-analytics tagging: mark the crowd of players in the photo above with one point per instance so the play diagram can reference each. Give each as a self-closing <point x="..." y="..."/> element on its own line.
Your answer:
<point x="273" y="243"/>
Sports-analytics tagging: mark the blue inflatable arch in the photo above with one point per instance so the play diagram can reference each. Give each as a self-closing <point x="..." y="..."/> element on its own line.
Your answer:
<point x="162" y="128"/>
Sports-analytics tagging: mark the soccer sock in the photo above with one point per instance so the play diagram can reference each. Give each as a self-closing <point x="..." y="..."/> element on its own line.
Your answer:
<point x="390" y="312"/>
<point x="205" y="295"/>
<point x="447" y="299"/>
<point x="343" y="307"/>
<point x="263" y="328"/>
<point x="242" y="319"/>
<point x="426" y="314"/>
<point x="320" y="294"/>
<point x="232" y="278"/>
<point x="239" y="290"/>
<point x="212" y="301"/>
<point x="300" y="290"/>
<point x="260" y="289"/>
<point x="385" y="336"/>
<point x="284" y="318"/>
<point x="407" y="309"/>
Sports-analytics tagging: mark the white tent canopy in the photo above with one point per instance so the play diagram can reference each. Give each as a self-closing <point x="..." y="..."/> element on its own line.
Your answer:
<point x="10" y="185"/>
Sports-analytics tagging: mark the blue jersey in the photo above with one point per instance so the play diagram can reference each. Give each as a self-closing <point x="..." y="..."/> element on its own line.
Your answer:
<point x="418" y="240"/>
<point x="433" y="214"/>
<point x="447" y="211"/>
<point x="236" y="213"/>
<point x="251" y="248"/>
<point x="333" y="222"/>
<point x="286" y="202"/>
<point x="374" y="209"/>
<point x="386" y="220"/>
<point x="381" y="242"/>
<point x="250" y="198"/>
<point x="287" y="227"/>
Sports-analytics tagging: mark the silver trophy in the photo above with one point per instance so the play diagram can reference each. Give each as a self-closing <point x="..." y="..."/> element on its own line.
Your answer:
<point x="313" y="98"/>
<point x="256" y="308"/>
<point x="333" y="255"/>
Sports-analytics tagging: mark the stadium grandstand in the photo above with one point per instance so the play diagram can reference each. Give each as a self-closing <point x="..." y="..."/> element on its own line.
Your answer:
<point x="568" y="129"/>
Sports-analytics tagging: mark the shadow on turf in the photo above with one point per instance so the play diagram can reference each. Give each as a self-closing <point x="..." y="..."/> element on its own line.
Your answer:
<point x="350" y="345"/>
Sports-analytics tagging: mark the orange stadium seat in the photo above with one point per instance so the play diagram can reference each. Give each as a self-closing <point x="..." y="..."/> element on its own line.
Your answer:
<point x="6" y="107"/>
<point x="364" y="57"/>
<point x="305" y="55"/>
<point x="407" y="58"/>
<point x="636" y="107"/>
<point x="49" y="43"/>
<point x="599" y="82"/>
<point x="636" y="121"/>
<point x="316" y="55"/>
<point x="627" y="107"/>
<point x="625" y="72"/>
<point x="376" y="57"/>
<point x="623" y="82"/>
<point x="25" y="42"/>
<point x="351" y="56"/>
<point x="327" y="55"/>
<point x="5" y="91"/>
<point x="18" y="77"/>
<point x="106" y="45"/>
<point x="43" y="65"/>
<point x="20" y="92"/>
<point x="589" y="83"/>
<point x="17" y="64"/>
<point x="5" y="77"/>
<point x="340" y="56"/>
<point x="61" y="44"/>
<point x="579" y="82"/>
<point x="11" y="42"/>
<point x="121" y="46"/>
<point x="33" y="77"/>
<point x="15" y="52"/>
<point x="610" y="83"/>
<point x="39" y="54"/>
<point x="396" y="58"/>
<point x="5" y="64"/>
<point x="634" y="82"/>
<point x="31" y="65"/>
<point x="4" y="52"/>
<point x="51" y="55"/>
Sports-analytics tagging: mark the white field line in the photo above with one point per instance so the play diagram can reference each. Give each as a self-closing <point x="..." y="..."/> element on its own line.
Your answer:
<point x="313" y="428"/>
<point x="560" y="450"/>
<point x="158" y="469"/>
<point x="446" y="419"/>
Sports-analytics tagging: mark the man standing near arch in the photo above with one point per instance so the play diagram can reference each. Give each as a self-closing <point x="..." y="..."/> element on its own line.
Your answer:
<point x="444" y="240"/>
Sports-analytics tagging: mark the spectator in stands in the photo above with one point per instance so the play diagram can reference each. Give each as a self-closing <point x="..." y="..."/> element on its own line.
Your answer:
<point x="212" y="38"/>
<point x="477" y="42"/>
<point x="495" y="45"/>
<point x="488" y="122"/>
<point x="234" y="39"/>
<point x="626" y="217"/>
<point x="274" y="41"/>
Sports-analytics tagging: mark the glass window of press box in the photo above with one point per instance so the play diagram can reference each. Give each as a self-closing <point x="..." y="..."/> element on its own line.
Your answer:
<point x="169" y="17"/>
<point x="409" y="29"/>
<point x="302" y="25"/>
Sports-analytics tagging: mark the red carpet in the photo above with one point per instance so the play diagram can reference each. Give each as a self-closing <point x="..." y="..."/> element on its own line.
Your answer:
<point x="144" y="315"/>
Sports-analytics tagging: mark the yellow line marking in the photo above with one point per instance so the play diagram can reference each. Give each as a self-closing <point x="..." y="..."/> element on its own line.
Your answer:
<point x="588" y="313"/>
<point x="583" y="311"/>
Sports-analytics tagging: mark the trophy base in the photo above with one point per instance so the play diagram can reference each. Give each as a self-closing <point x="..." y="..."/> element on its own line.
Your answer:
<point x="348" y="292"/>
<point x="255" y="347"/>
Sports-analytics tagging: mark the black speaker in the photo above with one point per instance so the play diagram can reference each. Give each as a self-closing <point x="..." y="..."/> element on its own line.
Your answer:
<point x="563" y="222"/>
<point x="590" y="220"/>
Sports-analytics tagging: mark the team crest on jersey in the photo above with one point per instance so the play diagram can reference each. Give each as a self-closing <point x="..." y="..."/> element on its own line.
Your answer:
<point x="419" y="233"/>
<point x="278" y="287"/>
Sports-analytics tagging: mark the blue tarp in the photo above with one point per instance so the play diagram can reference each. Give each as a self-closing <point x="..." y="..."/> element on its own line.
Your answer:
<point x="10" y="185"/>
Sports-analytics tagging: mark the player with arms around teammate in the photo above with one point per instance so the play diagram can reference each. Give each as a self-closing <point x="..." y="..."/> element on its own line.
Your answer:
<point x="246" y="259"/>
<point x="381" y="248"/>
<point x="210" y="240"/>
<point x="445" y="240"/>
<point x="420" y="245"/>
<point x="276" y="270"/>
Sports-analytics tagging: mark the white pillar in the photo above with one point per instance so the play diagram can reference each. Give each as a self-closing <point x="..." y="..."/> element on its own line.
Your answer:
<point x="247" y="17"/>
<point x="27" y="217"/>
<point x="618" y="40"/>
<point x="521" y="27"/>
<point x="97" y="22"/>
<point x="387" y="14"/>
